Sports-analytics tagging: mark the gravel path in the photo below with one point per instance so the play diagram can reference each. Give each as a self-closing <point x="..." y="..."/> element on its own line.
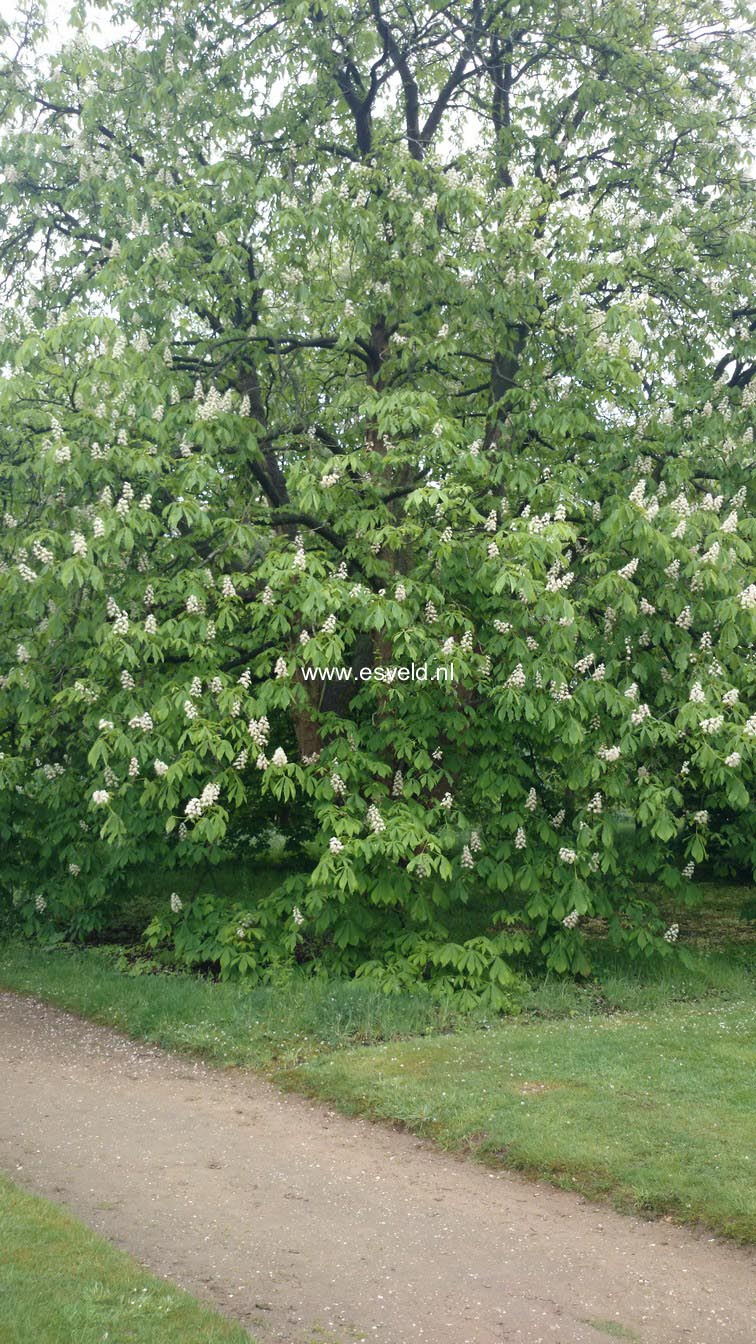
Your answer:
<point x="310" y="1227"/>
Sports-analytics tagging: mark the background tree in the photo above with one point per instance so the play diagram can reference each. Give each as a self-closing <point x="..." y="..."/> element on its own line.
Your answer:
<point x="376" y="334"/>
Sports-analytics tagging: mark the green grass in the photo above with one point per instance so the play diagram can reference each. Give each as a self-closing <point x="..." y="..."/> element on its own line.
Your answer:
<point x="60" y="1284"/>
<point x="654" y="1111"/>
<point x="227" y="1023"/>
<point x="634" y="1087"/>
<point x="613" y="1328"/>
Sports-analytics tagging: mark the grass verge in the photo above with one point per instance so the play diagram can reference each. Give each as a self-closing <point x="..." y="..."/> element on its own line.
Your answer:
<point x="60" y="1282"/>
<point x="635" y="1088"/>
<point x="653" y="1111"/>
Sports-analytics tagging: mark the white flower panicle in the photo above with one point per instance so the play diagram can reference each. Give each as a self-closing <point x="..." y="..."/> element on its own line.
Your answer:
<point x="672" y="933"/>
<point x="520" y="840"/>
<point x="560" y="692"/>
<point x="100" y="797"/>
<point x="300" y="558"/>
<point x="571" y="920"/>
<point x="567" y="855"/>
<point x="210" y="795"/>
<point x="685" y="618"/>
<point x="259" y="731"/>
<point x="214" y="404"/>
<point x="196" y="807"/>
<point x="176" y="903"/>
<point x="467" y="860"/>
<point x="160" y="767"/>
<point x="279" y="757"/>
<point x="375" y="820"/>
<point x="142" y="721"/>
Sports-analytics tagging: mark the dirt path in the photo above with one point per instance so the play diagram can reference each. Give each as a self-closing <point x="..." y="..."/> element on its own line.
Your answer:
<point x="310" y="1227"/>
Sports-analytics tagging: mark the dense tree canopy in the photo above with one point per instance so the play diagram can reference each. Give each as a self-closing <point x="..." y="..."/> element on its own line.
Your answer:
<point x="369" y="335"/>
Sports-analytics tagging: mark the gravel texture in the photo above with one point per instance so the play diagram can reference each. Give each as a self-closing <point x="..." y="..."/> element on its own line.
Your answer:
<point x="308" y="1226"/>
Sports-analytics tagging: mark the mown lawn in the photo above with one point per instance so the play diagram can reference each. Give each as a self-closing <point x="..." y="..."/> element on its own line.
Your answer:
<point x="656" y="1111"/>
<point x="61" y="1283"/>
<point x="636" y="1087"/>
